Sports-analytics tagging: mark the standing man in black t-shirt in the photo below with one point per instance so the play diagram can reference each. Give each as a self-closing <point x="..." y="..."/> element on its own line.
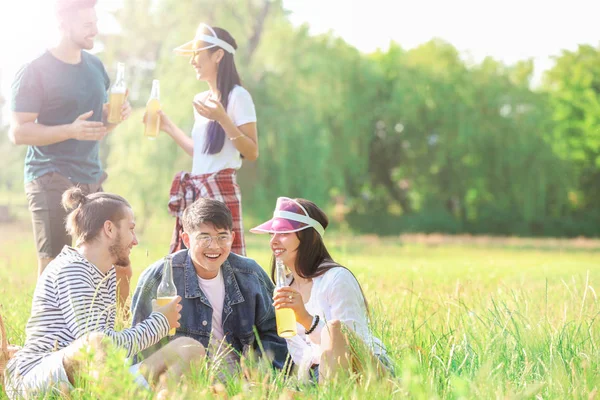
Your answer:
<point x="60" y="111"/>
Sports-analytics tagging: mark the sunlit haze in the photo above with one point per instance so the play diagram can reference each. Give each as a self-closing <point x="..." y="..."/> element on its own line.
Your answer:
<point x="509" y="30"/>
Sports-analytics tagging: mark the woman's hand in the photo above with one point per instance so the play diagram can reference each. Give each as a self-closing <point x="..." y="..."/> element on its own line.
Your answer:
<point x="287" y="297"/>
<point x="166" y="125"/>
<point x="211" y="109"/>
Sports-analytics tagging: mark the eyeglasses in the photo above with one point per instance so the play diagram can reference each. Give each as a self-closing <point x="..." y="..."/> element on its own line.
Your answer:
<point x="206" y="240"/>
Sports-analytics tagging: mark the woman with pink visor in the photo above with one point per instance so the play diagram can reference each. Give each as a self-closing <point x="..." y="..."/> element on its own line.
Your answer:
<point x="224" y="132"/>
<point x="330" y="308"/>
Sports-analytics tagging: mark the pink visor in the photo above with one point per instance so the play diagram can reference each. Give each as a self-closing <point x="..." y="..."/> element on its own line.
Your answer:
<point x="289" y="216"/>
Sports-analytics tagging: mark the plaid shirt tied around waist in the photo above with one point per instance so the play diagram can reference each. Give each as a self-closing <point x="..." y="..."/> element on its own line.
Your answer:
<point x="222" y="185"/>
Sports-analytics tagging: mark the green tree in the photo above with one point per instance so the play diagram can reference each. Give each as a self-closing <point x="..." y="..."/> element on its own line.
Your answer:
<point x="418" y="138"/>
<point x="574" y="87"/>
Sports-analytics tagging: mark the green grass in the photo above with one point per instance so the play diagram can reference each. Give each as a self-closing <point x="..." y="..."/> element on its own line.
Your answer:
<point x="459" y="321"/>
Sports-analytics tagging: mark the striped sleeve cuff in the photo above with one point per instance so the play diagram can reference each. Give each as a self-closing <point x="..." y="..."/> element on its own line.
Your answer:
<point x="162" y="324"/>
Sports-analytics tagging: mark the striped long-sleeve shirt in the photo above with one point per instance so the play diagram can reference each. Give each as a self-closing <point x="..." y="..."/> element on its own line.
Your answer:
<point x="73" y="298"/>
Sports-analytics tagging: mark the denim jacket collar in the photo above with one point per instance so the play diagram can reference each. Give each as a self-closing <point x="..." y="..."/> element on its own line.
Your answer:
<point x="233" y="294"/>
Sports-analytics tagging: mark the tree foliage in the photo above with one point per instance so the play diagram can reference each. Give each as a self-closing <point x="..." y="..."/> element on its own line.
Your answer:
<point x="407" y="140"/>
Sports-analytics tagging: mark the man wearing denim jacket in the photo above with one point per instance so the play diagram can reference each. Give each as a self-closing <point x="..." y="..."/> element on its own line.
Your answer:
<point x="224" y="296"/>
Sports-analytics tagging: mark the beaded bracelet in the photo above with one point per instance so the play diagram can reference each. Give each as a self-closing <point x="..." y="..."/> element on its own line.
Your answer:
<point x="314" y="325"/>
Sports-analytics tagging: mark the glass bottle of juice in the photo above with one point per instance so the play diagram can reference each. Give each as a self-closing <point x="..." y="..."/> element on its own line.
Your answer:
<point x="152" y="107"/>
<point x="285" y="317"/>
<point x="166" y="291"/>
<point x="117" y="96"/>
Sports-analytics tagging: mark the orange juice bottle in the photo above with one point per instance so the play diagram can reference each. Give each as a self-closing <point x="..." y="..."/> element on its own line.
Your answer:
<point x="166" y="291"/>
<point x="284" y="317"/>
<point x="152" y="107"/>
<point x="117" y="96"/>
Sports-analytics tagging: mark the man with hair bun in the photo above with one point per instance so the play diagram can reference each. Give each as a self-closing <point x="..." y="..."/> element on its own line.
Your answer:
<point x="74" y="307"/>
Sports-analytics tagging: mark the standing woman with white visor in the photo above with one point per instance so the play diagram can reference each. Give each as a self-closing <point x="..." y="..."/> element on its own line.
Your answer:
<point x="224" y="132"/>
<point x="331" y="311"/>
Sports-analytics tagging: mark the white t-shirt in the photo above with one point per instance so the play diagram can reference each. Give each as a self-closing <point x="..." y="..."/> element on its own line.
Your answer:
<point x="218" y="348"/>
<point x="214" y="289"/>
<point x="241" y="111"/>
<point x="334" y="295"/>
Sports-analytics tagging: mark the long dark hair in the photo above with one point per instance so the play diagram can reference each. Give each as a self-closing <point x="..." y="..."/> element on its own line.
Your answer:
<point x="312" y="257"/>
<point x="227" y="79"/>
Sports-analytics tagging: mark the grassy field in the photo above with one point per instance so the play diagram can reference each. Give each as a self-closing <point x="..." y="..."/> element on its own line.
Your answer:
<point x="461" y="317"/>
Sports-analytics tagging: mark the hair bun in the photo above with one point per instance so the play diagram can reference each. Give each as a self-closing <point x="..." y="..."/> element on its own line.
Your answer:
<point x="73" y="198"/>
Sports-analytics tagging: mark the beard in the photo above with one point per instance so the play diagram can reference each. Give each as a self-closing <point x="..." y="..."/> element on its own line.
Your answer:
<point x="81" y="42"/>
<point x="119" y="252"/>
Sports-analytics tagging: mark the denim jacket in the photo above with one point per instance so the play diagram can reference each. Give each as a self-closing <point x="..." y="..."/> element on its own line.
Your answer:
<point x="248" y="304"/>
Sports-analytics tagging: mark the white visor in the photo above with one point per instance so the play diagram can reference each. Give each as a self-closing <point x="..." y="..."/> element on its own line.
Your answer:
<point x="213" y="40"/>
